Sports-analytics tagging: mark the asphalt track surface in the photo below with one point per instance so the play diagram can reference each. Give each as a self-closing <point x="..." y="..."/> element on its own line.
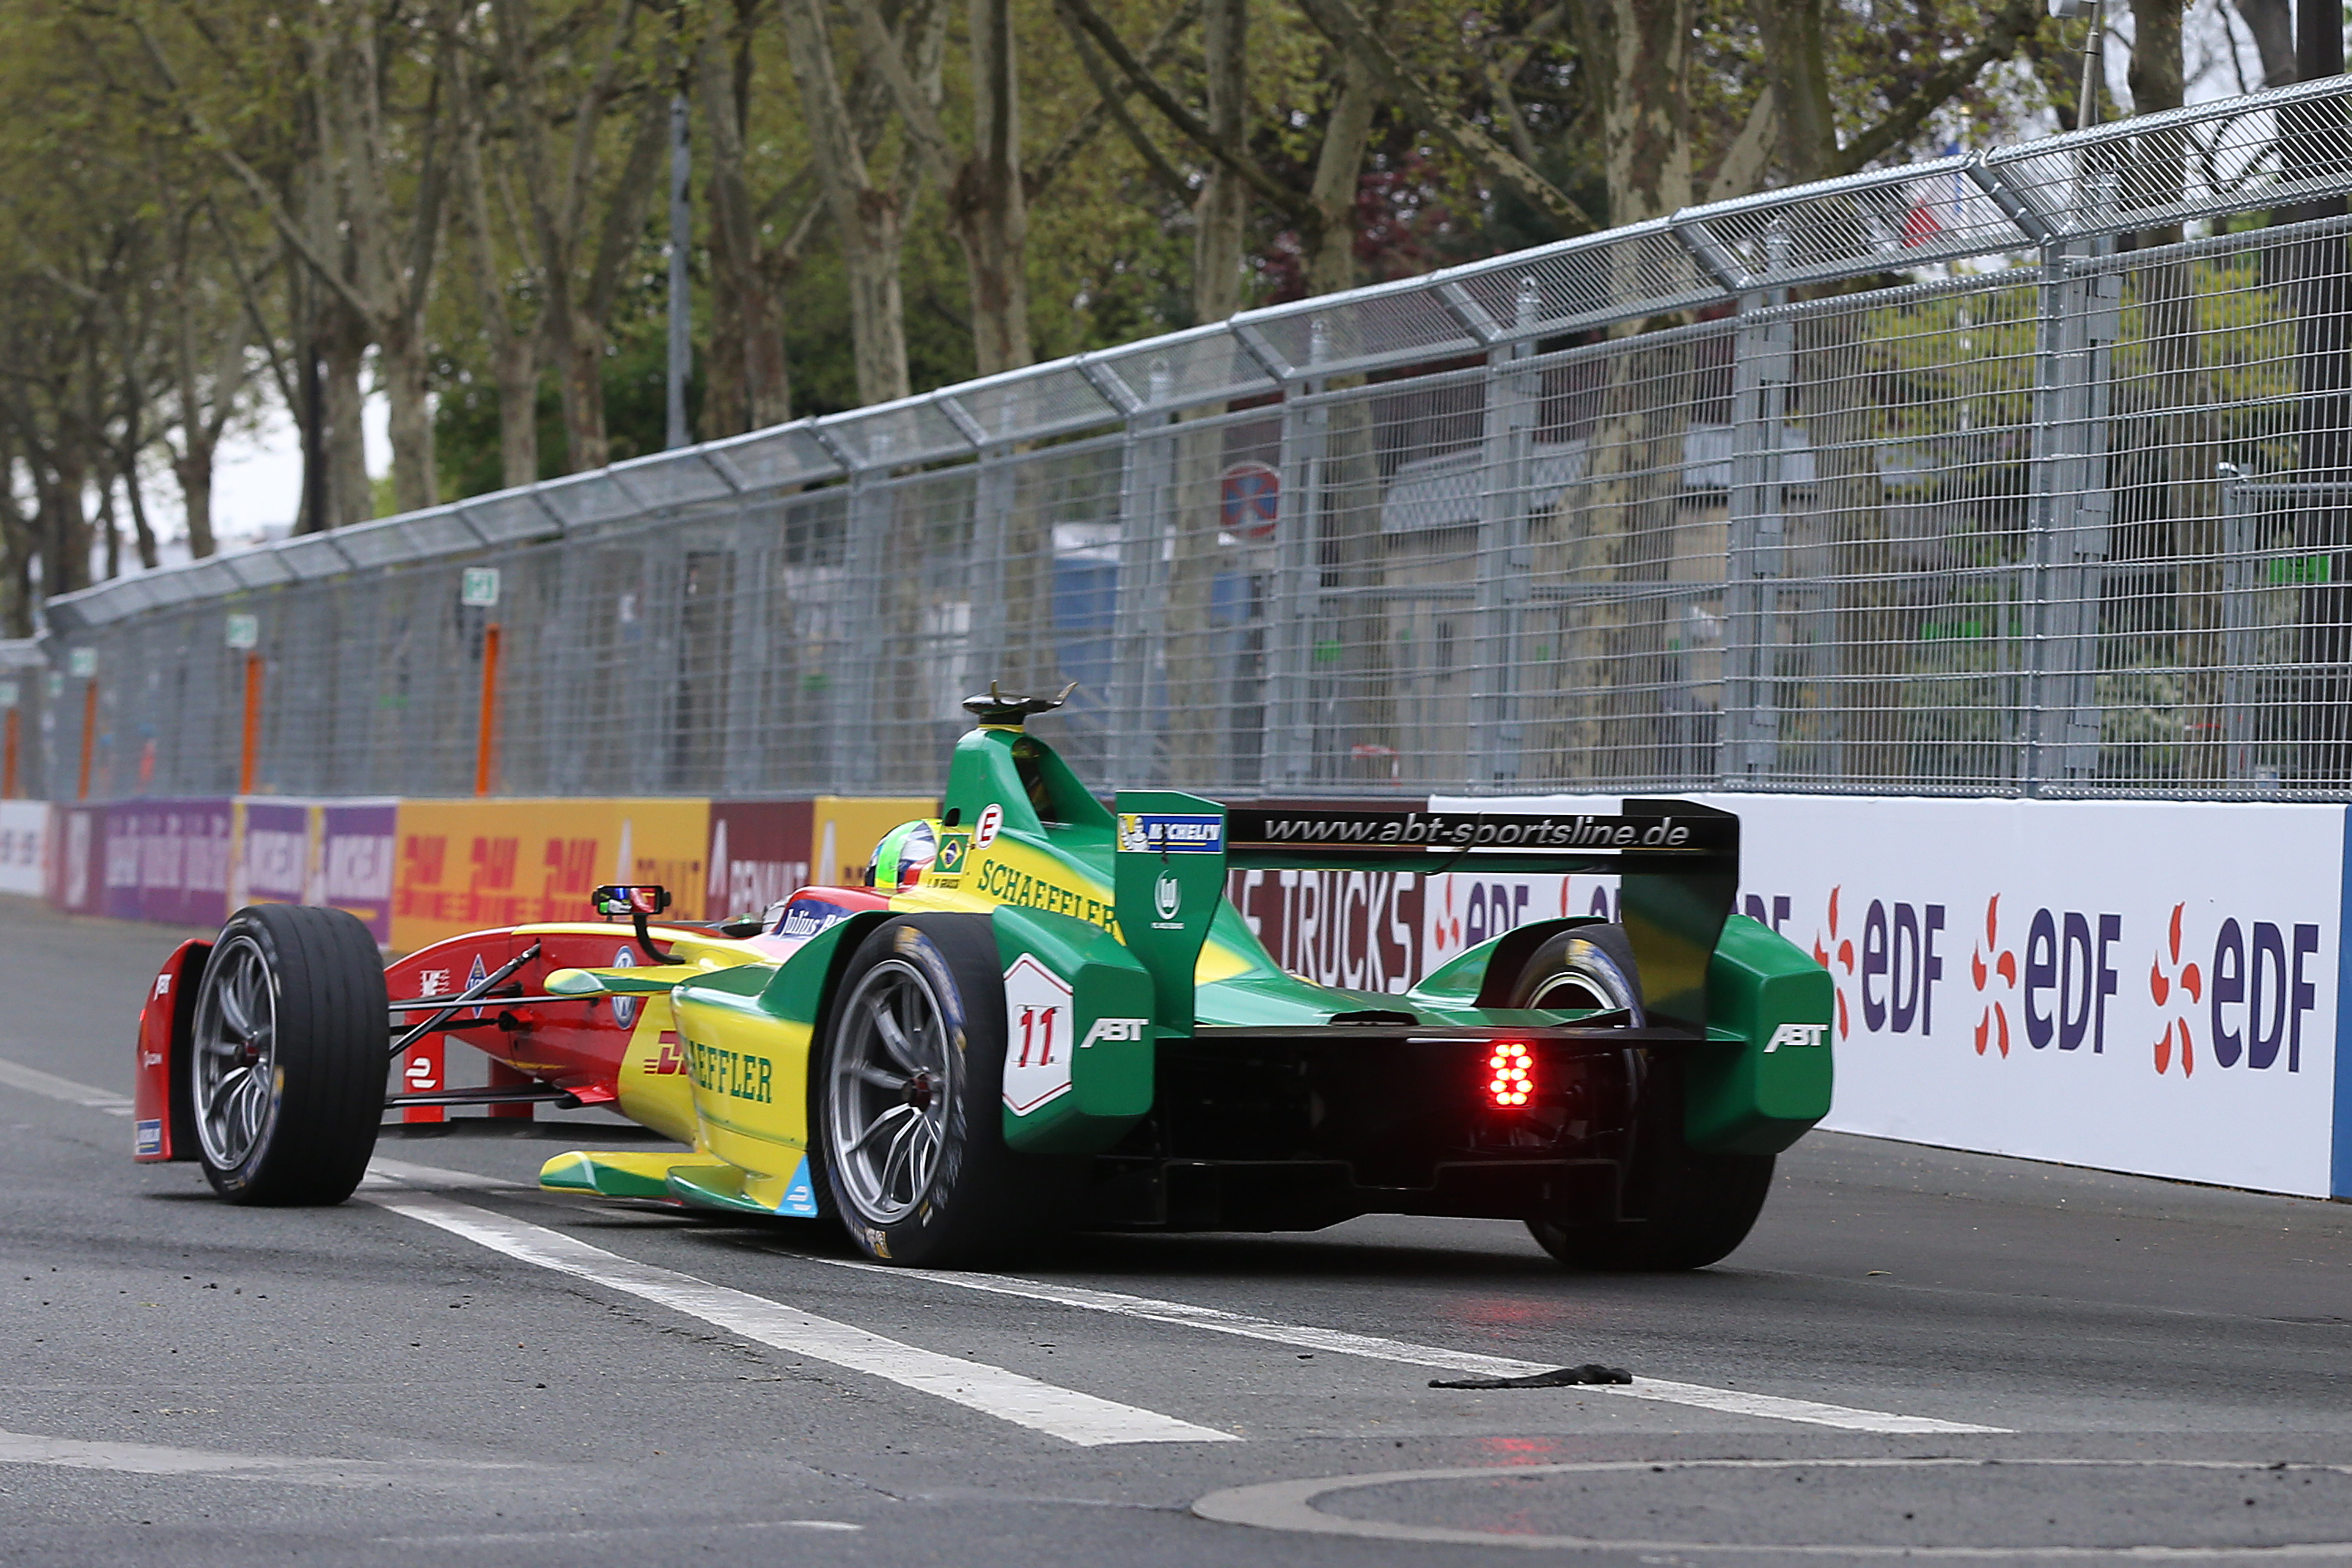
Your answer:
<point x="1918" y="1353"/>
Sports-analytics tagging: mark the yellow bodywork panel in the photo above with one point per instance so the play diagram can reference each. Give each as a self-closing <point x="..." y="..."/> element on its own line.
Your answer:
<point x="612" y="1174"/>
<point x="748" y="1070"/>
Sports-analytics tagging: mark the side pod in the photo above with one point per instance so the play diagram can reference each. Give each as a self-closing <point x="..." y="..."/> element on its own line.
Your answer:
<point x="164" y="1125"/>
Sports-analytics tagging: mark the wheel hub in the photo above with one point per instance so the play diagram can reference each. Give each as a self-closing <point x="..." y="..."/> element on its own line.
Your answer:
<point x="919" y="1091"/>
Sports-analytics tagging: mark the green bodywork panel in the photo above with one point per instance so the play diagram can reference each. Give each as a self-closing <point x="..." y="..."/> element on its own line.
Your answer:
<point x="1168" y="896"/>
<point x="1764" y="1075"/>
<point x="797" y="989"/>
<point x="1099" y="1051"/>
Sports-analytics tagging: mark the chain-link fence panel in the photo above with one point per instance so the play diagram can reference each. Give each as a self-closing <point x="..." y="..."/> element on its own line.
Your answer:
<point x="2026" y="471"/>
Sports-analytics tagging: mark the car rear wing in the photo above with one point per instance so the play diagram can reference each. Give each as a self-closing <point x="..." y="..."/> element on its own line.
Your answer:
<point x="1677" y="863"/>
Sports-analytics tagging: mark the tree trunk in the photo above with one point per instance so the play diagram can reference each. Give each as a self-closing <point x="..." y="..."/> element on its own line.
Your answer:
<point x="350" y="497"/>
<point x="1796" y="63"/>
<point x="750" y="383"/>
<point x="2155" y="70"/>
<point x="2272" y="22"/>
<point x="578" y="343"/>
<point x="64" y="526"/>
<point x="142" y="532"/>
<point x="1338" y="173"/>
<point x="1645" y="117"/>
<point x="988" y="200"/>
<point x="1197" y="675"/>
<point x="19" y="545"/>
<point x="514" y="349"/>
<point x="514" y="363"/>
<point x="110" y="530"/>
<point x="193" y="467"/>
<point x="405" y="373"/>
<point x="867" y="217"/>
<point x="1218" y="215"/>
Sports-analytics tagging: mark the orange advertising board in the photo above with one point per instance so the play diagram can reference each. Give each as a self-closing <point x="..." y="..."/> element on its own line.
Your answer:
<point x="469" y="863"/>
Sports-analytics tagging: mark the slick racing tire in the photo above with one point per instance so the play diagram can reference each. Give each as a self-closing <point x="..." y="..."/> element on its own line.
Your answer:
<point x="905" y="1106"/>
<point x="287" y="1066"/>
<point x="1686" y="1208"/>
<point x="1581" y="968"/>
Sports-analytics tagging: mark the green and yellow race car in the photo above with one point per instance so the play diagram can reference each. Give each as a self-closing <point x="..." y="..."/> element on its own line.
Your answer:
<point x="1044" y="1013"/>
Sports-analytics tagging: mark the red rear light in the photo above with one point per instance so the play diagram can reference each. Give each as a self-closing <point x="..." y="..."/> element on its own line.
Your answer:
<point x="1510" y="1075"/>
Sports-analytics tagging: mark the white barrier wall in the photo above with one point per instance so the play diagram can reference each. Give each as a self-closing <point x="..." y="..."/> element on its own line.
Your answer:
<point x="2142" y="986"/>
<point x="24" y="846"/>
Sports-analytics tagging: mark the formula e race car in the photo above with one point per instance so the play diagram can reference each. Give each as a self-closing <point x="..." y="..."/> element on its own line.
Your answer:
<point x="1044" y="1013"/>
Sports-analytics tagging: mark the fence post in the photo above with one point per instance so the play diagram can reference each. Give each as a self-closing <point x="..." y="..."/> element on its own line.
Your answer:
<point x="2238" y="630"/>
<point x="1290" y="633"/>
<point x="1763" y="361"/>
<point x="485" y="733"/>
<point x="991" y="533"/>
<point x="1146" y="463"/>
<point x="2080" y="313"/>
<point x="249" y="750"/>
<point x="89" y="731"/>
<point x="853" y="693"/>
<point x="1506" y="438"/>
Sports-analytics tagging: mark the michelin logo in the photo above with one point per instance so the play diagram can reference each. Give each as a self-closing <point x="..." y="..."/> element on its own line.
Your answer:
<point x="1795" y="1035"/>
<point x="1111" y="1031"/>
<point x="1165" y="834"/>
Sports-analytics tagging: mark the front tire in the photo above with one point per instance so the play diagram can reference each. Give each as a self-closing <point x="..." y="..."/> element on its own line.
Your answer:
<point x="287" y="1069"/>
<point x="1687" y="1208"/>
<point x="910" y="1140"/>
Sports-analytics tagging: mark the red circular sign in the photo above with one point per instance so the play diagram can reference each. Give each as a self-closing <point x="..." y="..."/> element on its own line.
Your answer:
<point x="1250" y="497"/>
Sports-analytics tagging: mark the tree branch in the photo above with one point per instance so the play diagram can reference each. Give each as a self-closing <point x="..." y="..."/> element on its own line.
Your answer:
<point x="1110" y="104"/>
<point x="1078" y="15"/>
<point x="1741" y="168"/>
<point x="256" y="187"/>
<point x="1113" y="101"/>
<point x="2008" y="27"/>
<point x="1339" y="21"/>
<point x="915" y="111"/>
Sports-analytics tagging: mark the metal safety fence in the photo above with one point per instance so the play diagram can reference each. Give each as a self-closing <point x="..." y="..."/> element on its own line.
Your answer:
<point x="2028" y="471"/>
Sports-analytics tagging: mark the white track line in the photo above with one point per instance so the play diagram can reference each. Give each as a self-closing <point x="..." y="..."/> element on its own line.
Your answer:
<point x="148" y="1460"/>
<point x="383" y="1172"/>
<point x="1062" y="1412"/>
<point x="1729" y="1401"/>
<point x="35" y="1081"/>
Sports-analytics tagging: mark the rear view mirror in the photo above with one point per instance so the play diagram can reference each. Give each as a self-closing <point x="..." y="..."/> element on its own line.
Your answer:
<point x="646" y="898"/>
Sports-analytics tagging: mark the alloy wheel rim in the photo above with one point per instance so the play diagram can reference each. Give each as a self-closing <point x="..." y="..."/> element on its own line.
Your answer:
<point x="892" y="1080"/>
<point x="236" y="1064"/>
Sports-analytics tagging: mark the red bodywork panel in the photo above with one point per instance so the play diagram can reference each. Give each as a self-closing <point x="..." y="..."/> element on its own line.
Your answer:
<point x="163" y="1124"/>
<point x="573" y="1045"/>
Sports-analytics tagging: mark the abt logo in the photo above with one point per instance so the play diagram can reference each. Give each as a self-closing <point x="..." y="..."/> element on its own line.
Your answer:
<point x="1112" y="1031"/>
<point x="1796" y="1035"/>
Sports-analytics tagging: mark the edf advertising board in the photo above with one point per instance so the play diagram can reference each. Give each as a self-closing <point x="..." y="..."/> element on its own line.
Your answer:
<point x="2143" y="986"/>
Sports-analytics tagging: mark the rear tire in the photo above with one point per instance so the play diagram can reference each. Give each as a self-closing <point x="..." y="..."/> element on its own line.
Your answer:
<point x="905" y="1112"/>
<point x="287" y="1061"/>
<point x="1688" y="1209"/>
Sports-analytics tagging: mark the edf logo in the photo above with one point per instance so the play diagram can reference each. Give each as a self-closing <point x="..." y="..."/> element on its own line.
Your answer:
<point x="2062" y="957"/>
<point x="2261" y="994"/>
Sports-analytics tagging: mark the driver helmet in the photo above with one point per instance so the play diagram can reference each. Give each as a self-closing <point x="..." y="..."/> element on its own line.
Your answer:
<point x="904" y="854"/>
